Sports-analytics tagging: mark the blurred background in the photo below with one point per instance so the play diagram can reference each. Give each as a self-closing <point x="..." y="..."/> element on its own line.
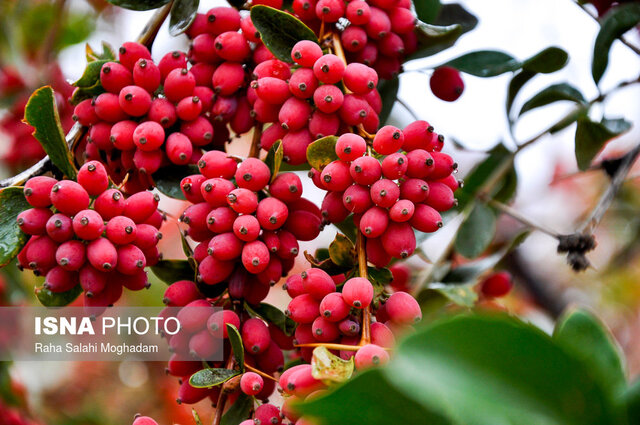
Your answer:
<point x="43" y="42"/>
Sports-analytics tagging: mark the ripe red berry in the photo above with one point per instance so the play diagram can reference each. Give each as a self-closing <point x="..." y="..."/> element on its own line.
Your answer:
<point x="350" y="147"/>
<point x="304" y="225"/>
<point x="60" y="280"/>
<point x="365" y="170"/>
<point x="272" y="213"/>
<point x="217" y="164"/>
<point x="415" y="190"/>
<point x="255" y="336"/>
<point x="71" y="255"/>
<point x="440" y="197"/>
<point x="68" y="197"/>
<point x="148" y="136"/>
<point x="294" y="146"/>
<point x="232" y="46"/>
<point x="252" y="174"/>
<point x="189" y="108"/>
<point x="399" y="240"/>
<point x="222" y="19"/>
<point x="217" y="322"/>
<point x="146" y="75"/>
<point x="109" y="204"/>
<point x="34" y="221"/>
<point x="317" y="283"/>
<point x="385" y="193"/>
<point x="37" y="191"/>
<point x="374" y="222"/>
<point x="403" y="309"/>
<point x="426" y="219"/>
<point x="378" y="25"/>
<point x="446" y="83"/>
<point x="163" y="112"/>
<point x="329" y="69"/>
<point x="395" y="166"/>
<point x="272" y="90"/>
<point x="286" y="187"/>
<point x="199" y="131"/>
<point x="402" y="211"/>
<point x="140" y="206"/>
<point x="303" y="83"/>
<point x="370" y="355"/>
<point x="354" y="38"/>
<point x="92" y="176"/>
<point x="121" y="230"/>
<point x="330" y="10"/>
<point x="420" y="163"/>
<point x="402" y="20"/>
<point x="497" y="285"/>
<point x="228" y="78"/>
<point x="85" y="113"/>
<point x="336" y="176"/>
<point x="267" y="414"/>
<point x="59" y="227"/>
<point x="246" y="228"/>
<point x="305" y="53"/>
<point x="179" y="149"/>
<point x="294" y="114"/>
<point x="376" y="253"/>
<point x="107" y="107"/>
<point x="242" y="201"/>
<point x="388" y="140"/>
<point x="171" y="61"/>
<point x="251" y="383"/>
<point x="114" y="77"/>
<point x="359" y="78"/>
<point x="179" y="84"/>
<point x="358" y="12"/>
<point x="193" y="316"/>
<point x="357" y="198"/>
<point x="131" y="259"/>
<point x="357" y="292"/>
<point x="333" y="307"/>
<point x="255" y="256"/>
<point x="303" y="309"/>
<point x="328" y="98"/>
<point x="102" y="254"/>
<point x="144" y="420"/>
<point x="180" y="293"/>
<point x="443" y="165"/>
<point x="134" y="101"/>
<point x="88" y="225"/>
<point x="121" y="135"/>
<point x="130" y="52"/>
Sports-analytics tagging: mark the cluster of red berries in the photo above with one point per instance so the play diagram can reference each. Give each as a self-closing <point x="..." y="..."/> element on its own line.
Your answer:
<point x="307" y="104"/>
<point x="377" y="33"/>
<point x="93" y="236"/>
<point x="389" y="198"/>
<point x="233" y="220"/>
<point x="22" y="149"/>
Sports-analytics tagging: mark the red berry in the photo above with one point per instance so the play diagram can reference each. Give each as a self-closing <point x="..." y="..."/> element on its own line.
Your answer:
<point x="402" y="211"/>
<point x="357" y="292"/>
<point x="388" y="140"/>
<point x="324" y="330"/>
<point x="289" y="247"/>
<point x="272" y="68"/>
<point x="303" y="83"/>
<point x="328" y="98"/>
<point x="193" y="316"/>
<point x="359" y="78"/>
<point x="305" y="53"/>
<point x="34" y="221"/>
<point x="255" y="336"/>
<point x="228" y="78"/>
<point x="303" y="309"/>
<point x="146" y="75"/>
<point x="420" y="163"/>
<point x="395" y="166"/>
<point x="171" y="61"/>
<point x="381" y="335"/>
<point x="294" y="146"/>
<point x="202" y="49"/>
<point x="446" y="83"/>
<point x="251" y="383"/>
<point x="121" y="135"/>
<point x="329" y="69"/>
<point x="443" y="165"/>
<point x="71" y="255"/>
<point x="179" y="84"/>
<point x="232" y="46"/>
<point x="426" y="219"/>
<point x="88" y="225"/>
<point x="385" y="193"/>
<point x="131" y="259"/>
<point x="102" y="254"/>
<point x="68" y="197"/>
<point x="224" y="108"/>
<point x="374" y="222"/>
<point x="59" y="227"/>
<point x="497" y="285"/>
<point x="218" y="321"/>
<point x="403" y="309"/>
<point x="354" y="38"/>
<point x="92" y="176"/>
<point x="85" y="113"/>
<point x="440" y="197"/>
<point x="370" y="355"/>
<point x="163" y="112"/>
<point x="225" y="246"/>
<point x="358" y="12"/>
<point x="242" y="201"/>
<point x="402" y="20"/>
<point x="246" y="228"/>
<point x="286" y="187"/>
<point x="349" y="328"/>
<point x="109" y="204"/>
<point x="121" y="230"/>
<point x="114" y="77"/>
<point x="415" y="190"/>
<point x="330" y="10"/>
<point x="179" y="149"/>
<point x="317" y="283"/>
<point x="365" y="170"/>
<point x="148" y="136"/>
<point x="222" y="19"/>
<point x="272" y="213"/>
<point x="134" y="101"/>
<point x="215" y="191"/>
<point x="255" y="256"/>
<point x="130" y="52"/>
<point x="376" y="253"/>
<point x="399" y="240"/>
<point x="322" y="124"/>
<point x="294" y="114"/>
<point x="355" y="110"/>
<point x="60" y="280"/>
<point x="180" y="293"/>
<point x="336" y="176"/>
<point x="332" y="209"/>
<point x="144" y="420"/>
<point x="217" y="164"/>
<point x="357" y="199"/>
<point x="392" y="45"/>
<point x="304" y="225"/>
<point x="252" y="174"/>
<point x="267" y="414"/>
<point x="108" y="108"/>
<point x="37" y="191"/>
<point x="189" y="108"/>
<point x="141" y="206"/>
<point x="147" y="236"/>
<point x="333" y="307"/>
<point x="199" y="131"/>
<point x="378" y="25"/>
<point x="305" y="10"/>
<point x="272" y="90"/>
<point x="350" y="147"/>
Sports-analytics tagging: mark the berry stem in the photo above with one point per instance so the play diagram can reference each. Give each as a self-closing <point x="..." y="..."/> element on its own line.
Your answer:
<point x="150" y="31"/>
<point x="362" y="269"/>
<point x="254" y="150"/>
<point x="259" y="372"/>
<point x="222" y="398"/>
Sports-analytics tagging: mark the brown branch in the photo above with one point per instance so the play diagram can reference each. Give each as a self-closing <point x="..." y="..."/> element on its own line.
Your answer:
<point x="254" y="150"/>
<point x="362" y="269"/>
<point x="150" y="31"/>
<point x="521" y="218"/>
<point x="259" y="372"/>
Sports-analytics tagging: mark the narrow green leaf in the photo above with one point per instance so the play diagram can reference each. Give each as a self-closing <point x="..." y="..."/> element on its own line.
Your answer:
<point x="463" y="295"/>
<point x="321" y="152"/>
<point x="454" y="13"/>
<point x="183" y="12"/>
<point x="590" y="341"/>
<point x="553" y="93"/>
<point x="239" y="411"/>
<point x="170" y="271"/>
<point x="485" y="63"/>
<point x="83" y="93"/>
<point x="207" y="378"/>
<point x="547" y="61"/>
<point x="427" y="10"/>
<point x="57" y="299"/>
<point x="91" y="74"/>
<point x="186" y="248"/>
<point x="12" y="239"/>
<point x="435" y="38"/>
<point x="275" y="316"/>
<point x="279" y="30"/>
<point x="236" y="345"/>
<point x="388" y="90"/>
<point x="168" y="179"/>
<point x="42" y="114"/>
<point x="342" y="251"/>
<point x="139" y="4"/>
<point x="580" y="112"/>
<point x="274" y="159"/>
<point x="476" y="232"/>
<point x="517" y="82"/>
<point x="326" y="366"/>
<point x="614" y="24"/>
<point x="592" y="136"/>
<point x="107" y="54"/>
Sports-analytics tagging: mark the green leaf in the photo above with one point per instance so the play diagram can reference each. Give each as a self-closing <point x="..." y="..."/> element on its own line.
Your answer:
<point x="326" y="366"/>
<point x="517" y="82"/>
<point x="275" y="316"/>
<point x="485" y="63"/>
<point x="183" y="12"/>
<point x="435" y="38"/>
<point x="590" y="341"/>
<point x="476" y="232"/>
<point x="168" y="179"/>
<point x="42" y="114"/>
<point x="57" y="299"/>
<point x="321" y="152"/>
<point x="592" y="136"/>
<point x="12" y="239"/>
<point x="381" y="276"/>
<point x="580" y="112"/>
<point x="83" y="93"/>
<point x="348" y="228"/>
<point x="91" y="74"/>
<point x="207" y="378"/>
<point x="369" y="399"/>
<point x="274" y="159"/>
<point x="279" y="30"/>
<point x="76" y="28"/>
<point x="462" y="295"/>
<point x="239" y="411"/>
<point x="236" y="345"/>
<point x="236" y="3"/>
<point x="170" y="271"/>
<point x="553" y="93"/>
<point x="614" y="24"/>
<point x="631" y="398"/>
<point x="107" y="53"/>
<point x="427" y="10"/>
<point x="186" y="248"/>
<point x="139" y="4"/>
<point x="388" y="90"/>
<point x="342" y="251"/>
<point x="454" y="13"/>
<point x="196" y="417"/>
<point x="547" y="61"/>
<point x="497" y="370"/>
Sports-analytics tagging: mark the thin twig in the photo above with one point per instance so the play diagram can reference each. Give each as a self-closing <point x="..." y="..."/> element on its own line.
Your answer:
<point x="259" y="372"/>
<point x="409" y="109"/>
<point x="362" y="269"/>
<point x="521" y="218"/>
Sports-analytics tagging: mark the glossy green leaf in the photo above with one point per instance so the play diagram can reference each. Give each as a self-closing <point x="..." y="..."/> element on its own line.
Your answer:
<point x="388" y="90"/>
<point x="348" y="228"/>
<point x="482" y="173"/>
<point x="239" y="411"/>
<point x="381" y="276"/>
<point x="454" y="13"/>
<point x="497" y="370"/>
<point x="57" y="299"/>
<point x="236" y="3"/>
<point x="427" y="10"/>
<point x="485" y="63"/>
<point x="553" y="93"/>
<point x="139" y="4"/>
<point x="580" y="112"/>
<point x="170" y="271"/>
<point x="183" y="12"/>
<point x="83" y="93"/>
<point x="236" y="345"/>
<point x="476" y="232"/>
<point x="12" y="239"/>
<point x="547" y="61"/>
<point x="590" y="341"/>
<point x="207" y="378"/>
<point x="273" y="315"/>
<point x="321" y="152"/>
<point x="186" y="248"/>
<point x="41" y="113"/>
<point x="435" y="38"/>
<point x="369" y="399"/>
<point x="209" y="291"/>
<point x="279" y="30"/>
<point x="517" y="82"/>
<point x="614" y="24"/>
<point x="326" y="366"/>
<point x="342" y="251"/>
<point x="168" y="179"/>
<point x="463" y="295"/>
<point x="591" y="137"/>
<point x="91" y="74"/>
<point x="274" y="159"/>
